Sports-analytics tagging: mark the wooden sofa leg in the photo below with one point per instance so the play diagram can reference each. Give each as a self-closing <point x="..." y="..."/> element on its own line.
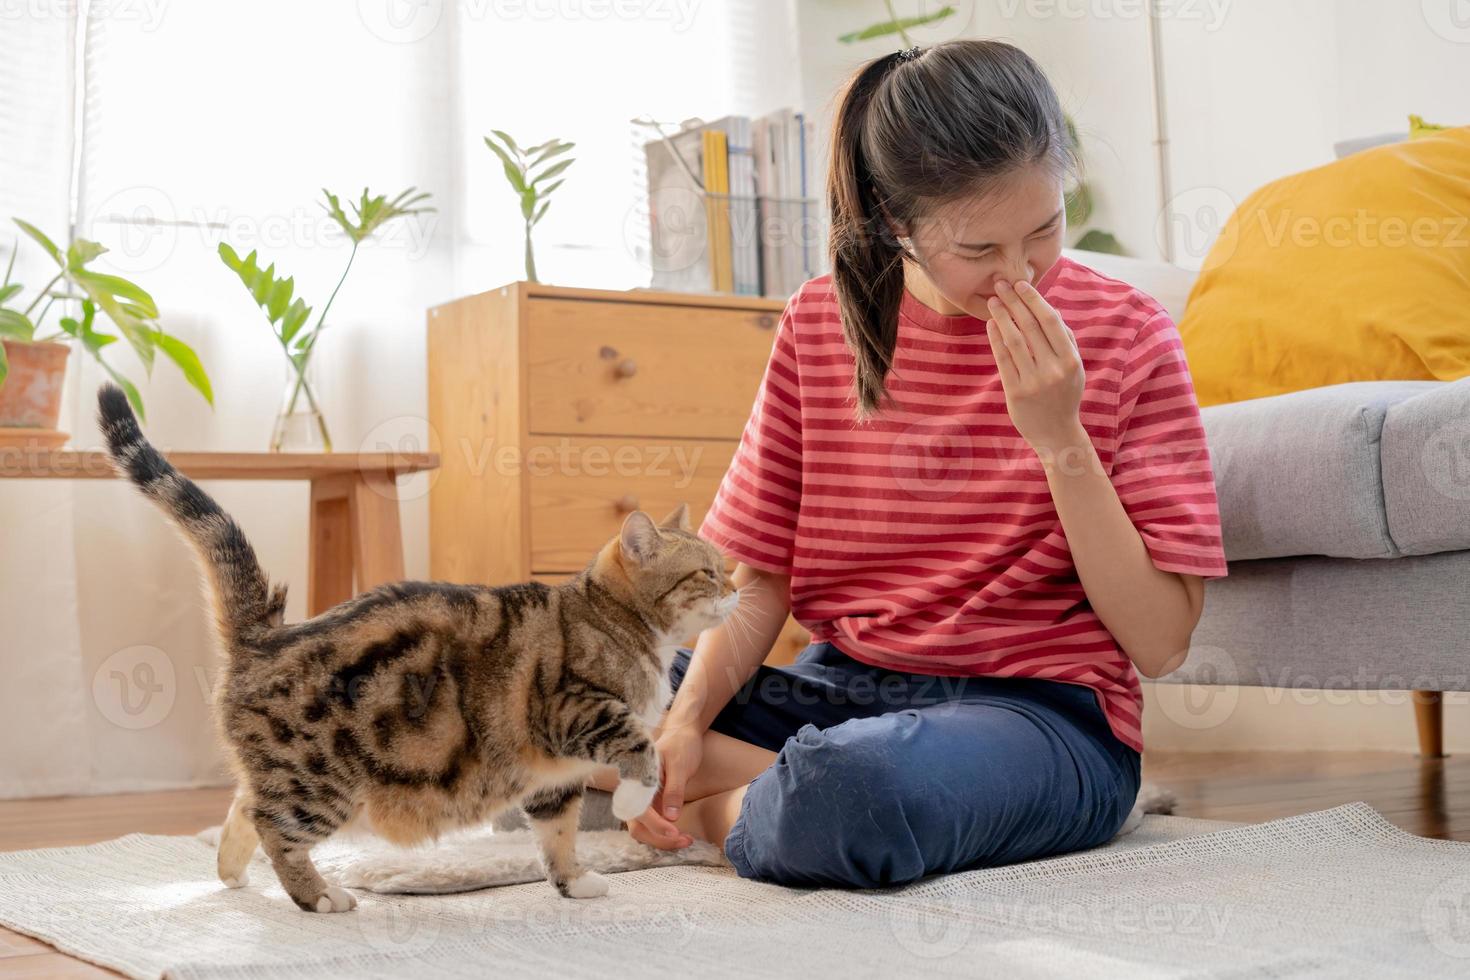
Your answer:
<point x="1429" y="714"/>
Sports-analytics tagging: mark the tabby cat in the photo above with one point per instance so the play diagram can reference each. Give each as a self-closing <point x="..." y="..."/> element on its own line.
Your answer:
<point x="419" y="707"/>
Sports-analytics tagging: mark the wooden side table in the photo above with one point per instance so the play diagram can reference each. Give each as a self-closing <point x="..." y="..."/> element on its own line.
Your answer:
<point x="356" y="541"/>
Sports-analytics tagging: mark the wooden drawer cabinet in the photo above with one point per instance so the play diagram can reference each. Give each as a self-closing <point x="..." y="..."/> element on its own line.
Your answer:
<point x="581" y="499"/>
<point x="556" y="412"/>
<point x="644" y="369"/>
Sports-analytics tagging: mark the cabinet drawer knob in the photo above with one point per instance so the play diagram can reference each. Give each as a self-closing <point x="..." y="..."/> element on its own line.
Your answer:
<point x="627" y="503"/>
<point x="626" y="368"/>
<point x="766" y="321"/>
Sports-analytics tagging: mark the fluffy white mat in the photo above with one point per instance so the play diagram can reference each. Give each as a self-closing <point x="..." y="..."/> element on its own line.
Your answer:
<point x="485" y="858"/>
<point x="472" y="859"/>
<point x="1338" y="892"/>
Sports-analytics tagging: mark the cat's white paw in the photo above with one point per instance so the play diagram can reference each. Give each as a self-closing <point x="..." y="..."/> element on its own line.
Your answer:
<point x="589" y="884"/>
<point x="630" y="799"/>
<point x="236" y="881"/>
<point x="336" y="899"/>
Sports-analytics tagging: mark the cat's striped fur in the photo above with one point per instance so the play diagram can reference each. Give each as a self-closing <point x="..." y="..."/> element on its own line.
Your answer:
<point x="422" y="706"/>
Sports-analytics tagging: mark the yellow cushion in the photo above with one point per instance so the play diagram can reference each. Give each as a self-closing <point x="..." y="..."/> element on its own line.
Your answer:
<point x="1354" y="271"/>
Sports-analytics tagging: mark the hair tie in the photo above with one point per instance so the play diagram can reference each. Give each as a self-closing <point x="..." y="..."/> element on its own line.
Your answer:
<point x="909" y="54"/>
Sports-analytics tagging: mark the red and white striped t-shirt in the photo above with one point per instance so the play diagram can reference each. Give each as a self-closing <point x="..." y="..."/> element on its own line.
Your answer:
<point x="926" y="541"/>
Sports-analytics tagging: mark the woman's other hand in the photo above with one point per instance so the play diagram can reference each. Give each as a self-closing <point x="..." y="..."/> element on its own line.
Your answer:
<point x="680" y="753"/>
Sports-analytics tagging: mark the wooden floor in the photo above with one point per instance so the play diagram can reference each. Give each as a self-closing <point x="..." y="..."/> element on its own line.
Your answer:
<point x="1423" y="797"/>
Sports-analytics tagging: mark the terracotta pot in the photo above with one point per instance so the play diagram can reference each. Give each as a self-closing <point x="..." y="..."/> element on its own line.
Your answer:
<point x="30" y="398"/>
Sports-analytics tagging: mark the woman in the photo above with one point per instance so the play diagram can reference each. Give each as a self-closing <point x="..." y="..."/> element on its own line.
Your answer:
<point x="975" y="470"/>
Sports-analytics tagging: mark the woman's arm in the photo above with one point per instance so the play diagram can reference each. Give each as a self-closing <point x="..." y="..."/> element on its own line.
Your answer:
<point x="1150" y="612"/>
<point x="727" y="656"/>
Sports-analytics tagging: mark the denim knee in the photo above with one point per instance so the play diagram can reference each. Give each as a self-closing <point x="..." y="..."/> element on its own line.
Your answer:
<point x="832" y="811"/>
<point x="886" y="800"/>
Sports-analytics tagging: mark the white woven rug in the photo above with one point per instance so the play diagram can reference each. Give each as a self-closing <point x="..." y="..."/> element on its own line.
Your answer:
<point x="467" y="860"/>
<point x="1336" y="893"/>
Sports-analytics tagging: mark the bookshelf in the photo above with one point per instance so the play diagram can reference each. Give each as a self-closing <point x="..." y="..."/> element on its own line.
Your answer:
<point x="715" y="210"/>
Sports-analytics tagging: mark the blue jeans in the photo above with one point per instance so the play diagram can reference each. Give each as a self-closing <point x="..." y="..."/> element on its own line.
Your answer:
<point x="883" y="777"/>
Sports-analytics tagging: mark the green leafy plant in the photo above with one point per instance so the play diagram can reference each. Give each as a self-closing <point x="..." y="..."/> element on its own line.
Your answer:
<point x="1078" y="198"/>
<point x="534" y="197"/>
<point x="288" y="313"/>
<point x="125" y="303"/>
<point x="1079" y="207"/>
<point x="896" y="25"/>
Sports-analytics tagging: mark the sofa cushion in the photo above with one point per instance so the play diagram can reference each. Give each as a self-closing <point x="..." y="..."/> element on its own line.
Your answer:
<point x="1426" y="470"/>
<point x="1298" y="473"/>
<point x="1355" y="270"/>
<point x="1330" y="624"/>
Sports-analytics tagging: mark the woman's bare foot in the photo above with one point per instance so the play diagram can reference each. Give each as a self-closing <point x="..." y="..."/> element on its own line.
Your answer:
<point x="711" y="817"/>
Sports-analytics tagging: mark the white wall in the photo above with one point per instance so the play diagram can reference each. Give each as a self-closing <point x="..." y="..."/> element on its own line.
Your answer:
<point x="1274" y="85"/>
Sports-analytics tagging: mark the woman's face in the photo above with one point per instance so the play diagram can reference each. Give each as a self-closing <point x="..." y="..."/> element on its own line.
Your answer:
<point x="1014" y="233"/>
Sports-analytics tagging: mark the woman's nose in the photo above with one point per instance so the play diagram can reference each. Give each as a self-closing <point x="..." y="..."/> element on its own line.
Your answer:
<point x="1018" y="272"/>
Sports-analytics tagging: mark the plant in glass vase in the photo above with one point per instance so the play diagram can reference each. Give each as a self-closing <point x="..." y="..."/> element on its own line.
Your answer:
<point x="300" y="422"/>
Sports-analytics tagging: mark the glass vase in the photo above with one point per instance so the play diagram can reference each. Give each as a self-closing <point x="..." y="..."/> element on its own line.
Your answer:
<point x="300" y="426"/>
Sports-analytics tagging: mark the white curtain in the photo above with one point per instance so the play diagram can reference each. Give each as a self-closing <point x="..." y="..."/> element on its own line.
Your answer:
<point x="44" y="703"/>
<point x="200" y="122"/>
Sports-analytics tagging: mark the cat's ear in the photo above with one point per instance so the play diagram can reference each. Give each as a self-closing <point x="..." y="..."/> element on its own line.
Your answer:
<point x="638" y="538"/>
<point x="678" y="518"/>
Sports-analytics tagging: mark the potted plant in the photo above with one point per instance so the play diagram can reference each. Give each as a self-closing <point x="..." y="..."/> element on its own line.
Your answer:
<point x="518" y="165"/>
<point x="301" y="423"/>
<point x="33" y="361"/>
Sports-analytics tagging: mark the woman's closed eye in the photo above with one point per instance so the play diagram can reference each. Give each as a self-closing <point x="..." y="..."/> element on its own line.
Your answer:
<point x="1041" y="233"/>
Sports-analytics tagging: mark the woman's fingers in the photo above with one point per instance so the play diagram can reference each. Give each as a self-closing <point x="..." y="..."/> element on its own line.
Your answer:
<point x="650" y="828"/>
<point x="1012" y="339"/>
<point x="1057" y="333"/>
<point x="1003" y="362"/>
<point x="670" y="798"/>
<point x="1025" y="320"/>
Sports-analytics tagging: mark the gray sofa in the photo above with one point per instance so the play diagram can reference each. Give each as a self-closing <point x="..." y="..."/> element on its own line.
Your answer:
<point x="1345" y="512"/>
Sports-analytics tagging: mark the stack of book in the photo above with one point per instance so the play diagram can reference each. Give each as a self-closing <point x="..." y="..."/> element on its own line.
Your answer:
<point x="734" y="206"/>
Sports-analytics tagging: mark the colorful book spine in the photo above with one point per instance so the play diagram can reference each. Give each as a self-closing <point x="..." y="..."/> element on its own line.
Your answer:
<point x="717" y="209"/>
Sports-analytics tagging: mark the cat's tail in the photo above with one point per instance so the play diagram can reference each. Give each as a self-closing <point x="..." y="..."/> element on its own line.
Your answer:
<point x="245" y="603"/>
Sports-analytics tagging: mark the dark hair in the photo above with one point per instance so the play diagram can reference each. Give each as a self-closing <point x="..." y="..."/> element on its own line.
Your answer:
<point x="913" y="131"/>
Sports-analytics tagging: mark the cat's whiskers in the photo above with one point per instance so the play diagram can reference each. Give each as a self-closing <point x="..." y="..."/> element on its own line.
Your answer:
<point x="741" y="630"/>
